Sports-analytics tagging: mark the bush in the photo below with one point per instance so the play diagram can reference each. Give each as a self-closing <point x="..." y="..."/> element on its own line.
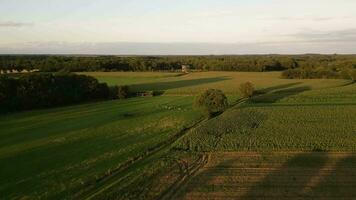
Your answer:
<point x="349" y="74"/>
<point x="247" y="89"/>
<point x="157" y="93"/>
<point x="119" y="92"/>
<point x="211" y="102"/>
<point x="122" y="92"/>
<point x="113" y="90"/>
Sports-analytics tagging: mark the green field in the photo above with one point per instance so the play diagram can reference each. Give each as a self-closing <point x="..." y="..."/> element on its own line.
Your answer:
<point x="52" y="153"/>
<point x="190" y="84"/>
<point x="147" y="148"/>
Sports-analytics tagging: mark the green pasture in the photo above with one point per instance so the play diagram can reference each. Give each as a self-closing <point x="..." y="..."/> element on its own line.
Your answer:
<point x="193" y="83"/>
<point x="52" y="153"/>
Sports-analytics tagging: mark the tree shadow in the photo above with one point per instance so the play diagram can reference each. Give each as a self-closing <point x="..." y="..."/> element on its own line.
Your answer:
<point x="201" y="181"/>
<point x="272" y="97"/>
<point x="161" y="86"/>
<point x="290" y="180"/>
<point x="285" y="182"/>
<point x="278" y="87"/>
<point x="340" y="183"/>
<point x="303" y="176"/>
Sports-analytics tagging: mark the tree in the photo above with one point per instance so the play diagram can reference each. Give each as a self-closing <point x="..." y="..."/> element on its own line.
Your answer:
<point x="247" y="89"/>
<point x="211" y="102"/>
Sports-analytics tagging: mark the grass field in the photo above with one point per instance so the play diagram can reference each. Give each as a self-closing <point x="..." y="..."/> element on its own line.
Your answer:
<point x="191" y="84"/>
<point x="130" y="78"/>
<point x="295" y="138"/>
<point x="52" y="153"/>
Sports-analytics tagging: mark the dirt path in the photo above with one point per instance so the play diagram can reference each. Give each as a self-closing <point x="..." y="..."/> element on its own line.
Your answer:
<point x="172" y="191"/>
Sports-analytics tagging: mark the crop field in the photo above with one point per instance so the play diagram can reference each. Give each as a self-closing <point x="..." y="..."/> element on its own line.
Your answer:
<point x="247" y="175"/>
<point x="294" y="139"/>
<point x="317" y="120"/>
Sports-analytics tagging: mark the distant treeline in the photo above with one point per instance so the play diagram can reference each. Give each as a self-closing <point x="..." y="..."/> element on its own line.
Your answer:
<point x="320" y="73"/>
<point x="43" y="90"/>
<point x="257" y="63"/>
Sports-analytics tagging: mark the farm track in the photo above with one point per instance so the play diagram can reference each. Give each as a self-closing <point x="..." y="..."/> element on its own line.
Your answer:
<point x="106" y="182"/>
<point x="192" y="171"/>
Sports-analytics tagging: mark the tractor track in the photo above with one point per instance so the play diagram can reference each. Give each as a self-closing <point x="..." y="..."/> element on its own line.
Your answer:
<point x="106" y="182"/>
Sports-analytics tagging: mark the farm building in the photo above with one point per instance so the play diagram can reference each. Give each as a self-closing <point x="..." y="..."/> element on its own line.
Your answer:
<point x="185" y="68"/>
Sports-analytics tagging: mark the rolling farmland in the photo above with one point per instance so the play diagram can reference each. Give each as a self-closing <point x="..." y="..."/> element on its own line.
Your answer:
<point x="293" y="139"/>
<point x="177" y="100"/>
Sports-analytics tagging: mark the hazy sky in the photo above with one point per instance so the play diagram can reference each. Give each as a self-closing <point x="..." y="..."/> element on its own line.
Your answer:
<point x="177" y="26"/>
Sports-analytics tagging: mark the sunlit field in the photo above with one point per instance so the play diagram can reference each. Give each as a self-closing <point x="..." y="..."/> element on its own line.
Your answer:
<point x="163" y="148"/>
<point x="190" y="84"/>
<point x="53" y="153"/>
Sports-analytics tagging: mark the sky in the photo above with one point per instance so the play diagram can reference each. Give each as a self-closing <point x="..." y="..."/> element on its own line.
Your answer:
<point x="152" y="27"/>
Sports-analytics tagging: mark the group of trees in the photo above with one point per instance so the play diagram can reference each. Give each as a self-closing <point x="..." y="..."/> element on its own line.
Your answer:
<point x="326" y="73"/>
<point x="43" y="90"/>
<point x="256" y="63"/>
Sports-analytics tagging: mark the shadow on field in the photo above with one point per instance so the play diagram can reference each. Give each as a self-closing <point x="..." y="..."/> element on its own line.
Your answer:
<point x="313" y="175"/>
<point x="278" y="87"/>
<point x="203" y="181"/>
<point x="274" y="94"/>
<point x="176" y="84"/>
<point x="340" y="183"/>
<point x="290" y="180"/>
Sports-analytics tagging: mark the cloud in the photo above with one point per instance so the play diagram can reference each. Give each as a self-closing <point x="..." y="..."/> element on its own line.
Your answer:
<point x="130" y="48"/>
<point x="308" y="18"/>
<point x="14" y="24"/>
<point x="347" y="35"/>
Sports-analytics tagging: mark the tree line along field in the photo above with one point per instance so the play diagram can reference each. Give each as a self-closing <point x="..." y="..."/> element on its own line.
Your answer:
<point x="326" y="64"/>
<point x="280" y="144"/>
